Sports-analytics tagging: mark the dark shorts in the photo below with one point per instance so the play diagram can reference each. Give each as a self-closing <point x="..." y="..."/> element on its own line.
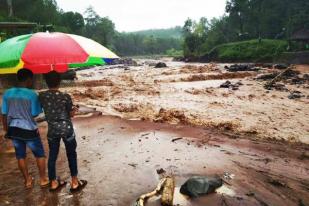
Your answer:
<point x="22" y="138"/>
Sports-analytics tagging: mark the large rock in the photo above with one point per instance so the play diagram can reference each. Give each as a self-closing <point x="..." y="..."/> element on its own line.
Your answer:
<point x="160" y="65"/>
<point x="281" y="66"/>
<point x="125" y="61"/>
<point x="296" y="95"/>
<point x="69" y="75"/>
<point x="242" y="67"/>
<point x="230" y="85"/>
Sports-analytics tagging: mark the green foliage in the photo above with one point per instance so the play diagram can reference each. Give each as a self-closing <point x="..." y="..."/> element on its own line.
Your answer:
<point x="131" y="44"/>
<point x="252" y="50"/>
<point x="175" y="32"/>
<point x="74" y="21"/>
<point x="93" y="26"/>
<point x="195" y="33"/>
<point x="174" y="53"/>
<point x="244" y="20"/>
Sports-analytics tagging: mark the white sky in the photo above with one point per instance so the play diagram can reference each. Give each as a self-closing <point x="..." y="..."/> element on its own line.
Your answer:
<point x="134" y="15"/>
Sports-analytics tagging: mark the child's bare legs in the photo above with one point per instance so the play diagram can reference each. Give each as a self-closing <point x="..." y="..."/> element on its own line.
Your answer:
<point x="22" y="165"/>
<point x="41" y="163"/>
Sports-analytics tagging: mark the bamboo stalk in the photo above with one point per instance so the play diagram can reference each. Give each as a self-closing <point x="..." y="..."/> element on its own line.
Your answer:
<point x="141" y="200"/>
<point x="168" y="192"/>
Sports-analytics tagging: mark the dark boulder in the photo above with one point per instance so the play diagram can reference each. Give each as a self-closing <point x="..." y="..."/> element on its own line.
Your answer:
<point x="69" y="75"/>
<point x="281" y="66"/>
<point x="230" y="85"/>
<point x="160" y="65"/>
<point x="226" y="84"/>
<point x="125" y="61"/>
<point x="277" y="86"/>
<point x="179" y="59"/>
<point x="198" y="186"/>
<point x="242" y="67"/>
<point x="296" y="95"/>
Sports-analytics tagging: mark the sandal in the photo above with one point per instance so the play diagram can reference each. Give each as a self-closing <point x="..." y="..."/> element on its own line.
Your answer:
<point x="45" y="185"/>
<point x="60" y="185"/>
<point x="81" y="185"/>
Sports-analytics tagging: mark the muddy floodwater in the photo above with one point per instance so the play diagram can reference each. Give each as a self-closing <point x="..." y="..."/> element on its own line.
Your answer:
<point x="182" y="120"/>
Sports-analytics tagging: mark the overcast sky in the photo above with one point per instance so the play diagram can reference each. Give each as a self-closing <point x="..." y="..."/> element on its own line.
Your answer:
<point x="134" y="15"/>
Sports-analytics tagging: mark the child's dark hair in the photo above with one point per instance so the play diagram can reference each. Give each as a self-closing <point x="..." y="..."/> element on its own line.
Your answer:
<point x="24" y="74"/>
<point x="52" y="79"/>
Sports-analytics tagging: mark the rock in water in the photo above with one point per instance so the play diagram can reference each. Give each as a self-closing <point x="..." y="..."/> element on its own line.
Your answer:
<point x="69" y="75"/>
<point x="295" y="95"/>
<point x="160" y="65"/>
<point x="198" y="186"/>
<point x="229" y="85"/>
<point x="125" y="61"/>
<point x="242" y="67"/>
<point x="226" y="84"/>
<point x="281" y="66"/>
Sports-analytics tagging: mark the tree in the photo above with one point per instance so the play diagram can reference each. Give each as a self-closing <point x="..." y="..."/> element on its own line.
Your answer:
<point x="188" y="27"/>
<point x="92" y="18"/>
<point x="237" y="10"/>
<point x="98" y="28"/>
<point x="74" y="21"/>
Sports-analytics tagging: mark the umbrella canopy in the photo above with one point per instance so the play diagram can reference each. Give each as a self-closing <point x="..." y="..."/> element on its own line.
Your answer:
<point x="45" y="52"/>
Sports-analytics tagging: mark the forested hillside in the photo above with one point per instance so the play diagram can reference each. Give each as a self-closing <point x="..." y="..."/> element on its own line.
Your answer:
<point x="245" y="20"/>
<point x="175" y="32"/>
<point x="89" y="24"/>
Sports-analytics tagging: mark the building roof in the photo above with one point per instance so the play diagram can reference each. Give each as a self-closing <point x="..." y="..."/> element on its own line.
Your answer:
<point x="12" y="25"/>
<point x="301" y="35"/>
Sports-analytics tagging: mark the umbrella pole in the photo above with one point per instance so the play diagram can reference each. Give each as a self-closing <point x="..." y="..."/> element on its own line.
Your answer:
<point x="38" y="83"/>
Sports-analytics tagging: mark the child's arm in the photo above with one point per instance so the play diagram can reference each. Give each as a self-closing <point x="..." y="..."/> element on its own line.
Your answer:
<point x="36" y="108"/>
<point x="4" y="123"/>
<point x="4" y="111"/>
<point x="72" y="109"/>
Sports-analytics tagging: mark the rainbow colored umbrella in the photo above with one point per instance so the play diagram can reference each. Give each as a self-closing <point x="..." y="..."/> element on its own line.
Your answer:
<point x="45" y="52"/>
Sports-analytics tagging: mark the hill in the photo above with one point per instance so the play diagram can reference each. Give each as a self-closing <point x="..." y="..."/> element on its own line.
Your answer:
<point x="175" y="32"/>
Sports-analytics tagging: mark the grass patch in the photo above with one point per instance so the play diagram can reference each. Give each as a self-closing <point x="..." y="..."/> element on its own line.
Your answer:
<point x="245" y="51"/>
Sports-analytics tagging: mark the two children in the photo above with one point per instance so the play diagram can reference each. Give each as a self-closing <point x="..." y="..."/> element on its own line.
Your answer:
<point x="19" y="107"/>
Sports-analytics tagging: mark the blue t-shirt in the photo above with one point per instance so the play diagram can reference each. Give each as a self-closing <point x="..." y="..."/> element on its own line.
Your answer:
<point x="21" y="105"/>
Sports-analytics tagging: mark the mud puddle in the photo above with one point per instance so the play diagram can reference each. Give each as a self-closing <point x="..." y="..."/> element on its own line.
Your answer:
<point x="119" y="158"/>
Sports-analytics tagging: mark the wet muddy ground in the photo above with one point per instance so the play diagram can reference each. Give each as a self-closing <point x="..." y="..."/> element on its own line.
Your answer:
<point x="119" y="158"/>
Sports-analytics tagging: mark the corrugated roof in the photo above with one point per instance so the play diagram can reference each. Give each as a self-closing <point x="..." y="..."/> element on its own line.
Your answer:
<point x="301" y="35"/>
<point x="9" y="25"/>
